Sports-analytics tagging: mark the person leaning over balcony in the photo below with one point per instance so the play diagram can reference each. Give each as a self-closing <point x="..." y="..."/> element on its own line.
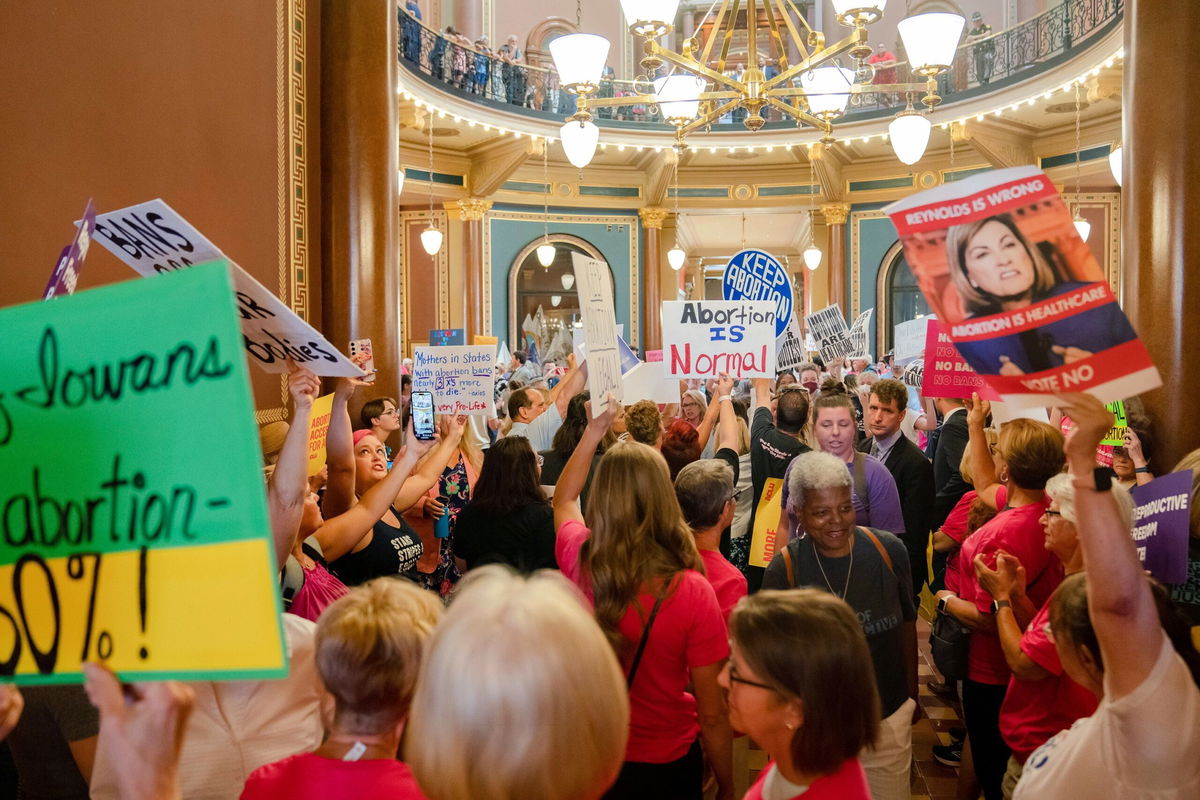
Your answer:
<point x="483" y="65"/>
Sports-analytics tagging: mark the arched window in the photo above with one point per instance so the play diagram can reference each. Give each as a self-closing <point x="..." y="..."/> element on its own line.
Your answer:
<point x="902" y="297"/>
<point x="532" y="286"/>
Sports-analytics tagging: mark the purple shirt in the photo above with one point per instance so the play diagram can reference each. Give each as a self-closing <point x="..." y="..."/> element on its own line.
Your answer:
<point x="882" y="496"/>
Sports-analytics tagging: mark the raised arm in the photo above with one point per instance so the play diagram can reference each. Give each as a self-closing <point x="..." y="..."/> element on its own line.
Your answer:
<point x="572" y="384"/>
<point x="289" y="482"/>
<point x="762" y="392"/>
<point x="727" y="426"/>
<point x="339" y="452"/>
<point x="983" y="470"/>
<point x="1119" y="600"/>
<point x="574" y="475"/>
<point x="708" y="423"/>
<point x="429" y="469"/>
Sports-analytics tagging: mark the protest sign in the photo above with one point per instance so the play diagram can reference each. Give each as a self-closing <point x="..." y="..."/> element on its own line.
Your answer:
<point x="709" y="338"/>
<point x="1116" y="434"/>
<point x="757" y="275"/>
<point x="318" y="430"/>
<point x="764" y="540"/>
<point x="789" y="348"/>
<point x="446" y="337"/>
<point x="999" y="260"/>
<point x="461" y="378"/>
<point x="65" y="274"/>
<point x="152" y="239"/>
<point x="647" y="382"/>
<point x="829" y="332"/>
<point x="593" y="282"/>
<point x="947" y="374"/>
<point x="143" y="545"/>
<point x="859" y="334"/>
<point x="1160" y="525"/>
<point x="910" y="340"/>
<point x="492" y="340"/>
<point x="914" y="374"/>
<point x="653" y="356"/>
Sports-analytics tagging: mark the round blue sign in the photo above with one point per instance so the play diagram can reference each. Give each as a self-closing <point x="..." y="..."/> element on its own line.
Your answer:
<point x="758" y="275"/>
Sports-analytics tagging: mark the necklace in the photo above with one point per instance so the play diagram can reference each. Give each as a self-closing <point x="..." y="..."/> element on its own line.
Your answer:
<point x="849" y="569"/>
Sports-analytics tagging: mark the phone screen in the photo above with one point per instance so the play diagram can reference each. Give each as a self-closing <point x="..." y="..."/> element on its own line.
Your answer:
<point x="422" y="411"/>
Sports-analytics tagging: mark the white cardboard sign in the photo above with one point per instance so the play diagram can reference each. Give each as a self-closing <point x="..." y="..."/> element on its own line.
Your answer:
<point x="461" y="378"/>
<point x="599" y="330"/>
<point x="151" y="238"/>
<point x="828" y="328"/>
<point x="910" y="340"/>
<point x="708" y="338"/>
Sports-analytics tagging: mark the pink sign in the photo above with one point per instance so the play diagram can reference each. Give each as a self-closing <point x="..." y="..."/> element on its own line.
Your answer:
<point x="947" y="374"/>
<point x="653" y="355"/>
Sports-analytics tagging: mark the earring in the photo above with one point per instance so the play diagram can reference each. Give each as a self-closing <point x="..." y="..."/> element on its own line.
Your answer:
<point x="789" y="726"/>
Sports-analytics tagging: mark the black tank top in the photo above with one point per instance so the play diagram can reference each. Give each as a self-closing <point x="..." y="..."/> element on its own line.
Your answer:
<point x="392" y="551"/>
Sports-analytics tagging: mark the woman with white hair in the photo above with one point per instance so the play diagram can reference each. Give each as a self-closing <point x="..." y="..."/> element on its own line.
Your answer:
<point x="520" y="696"/>
<point x="868" y="568"/>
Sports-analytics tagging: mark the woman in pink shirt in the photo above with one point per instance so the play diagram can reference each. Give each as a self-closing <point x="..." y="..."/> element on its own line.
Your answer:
<point x="801" y="685"/>
<point x="636" y="560"/>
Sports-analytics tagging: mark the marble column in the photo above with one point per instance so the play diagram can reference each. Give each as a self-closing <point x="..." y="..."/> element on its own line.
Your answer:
<point x="1161" y="260"/>
<point x="652" y="222"/>
<point x="835" y="217"/>
<point x="360" y="256"/>
<point x="473" y="210"/>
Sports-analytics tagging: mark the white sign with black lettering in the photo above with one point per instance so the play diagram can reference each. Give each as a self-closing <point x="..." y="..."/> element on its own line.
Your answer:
<point x="910" y="340"/>
<point x="828" y="329"/>
<point x="152" y="239"/>
<point x="594" y="285"/>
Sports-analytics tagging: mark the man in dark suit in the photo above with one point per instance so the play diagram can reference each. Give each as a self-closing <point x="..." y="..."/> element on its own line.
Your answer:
<point x="952" y="443"/>
<point x="909" y="467"/>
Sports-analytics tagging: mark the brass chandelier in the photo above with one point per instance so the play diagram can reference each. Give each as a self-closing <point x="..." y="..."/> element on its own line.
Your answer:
<point x="813" y="89"/>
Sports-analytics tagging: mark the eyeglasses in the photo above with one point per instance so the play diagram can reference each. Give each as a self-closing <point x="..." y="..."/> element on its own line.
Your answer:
<point x="737" y="493"/>
<point x="735" y="678"/>
<point x="391" y="412"/>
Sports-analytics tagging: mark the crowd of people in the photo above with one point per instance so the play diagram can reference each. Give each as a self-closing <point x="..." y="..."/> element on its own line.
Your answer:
<point x="562" y="603"/>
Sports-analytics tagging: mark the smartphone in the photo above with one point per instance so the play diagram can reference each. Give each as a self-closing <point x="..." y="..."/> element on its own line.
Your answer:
<point x="422" y="415"/>
<point x="363" y="357"/>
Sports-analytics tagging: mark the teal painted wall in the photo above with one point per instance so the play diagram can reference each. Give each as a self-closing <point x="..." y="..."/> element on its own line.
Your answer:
<point x="876" y="238"/>
<point x="510" y="236"/>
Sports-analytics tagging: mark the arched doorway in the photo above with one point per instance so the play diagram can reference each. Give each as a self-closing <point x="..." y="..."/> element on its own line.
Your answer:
<point x="901" y="296"/>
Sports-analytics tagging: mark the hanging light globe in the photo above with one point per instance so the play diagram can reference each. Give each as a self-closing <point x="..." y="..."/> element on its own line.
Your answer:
<point x="579" y="140"/>
<point x="679" y="97"/>
<point x="827" y="90"/>
<point x="909" y="134"/>
<point x="568" y="280"/>
<point x="931" y="39"/>
<point x="431" y="240"/>
<point x="1115" y="163"/>
<point x="545" y="254"/>
<point x="640" y="12"/>
<point x="555" y="299"/>
<point x="1082" y="226"/>
<point x="676" y="257"/>
<point x="400" y="180"/>
<point x="812" y="257"/>
<point x="579" y="59"/>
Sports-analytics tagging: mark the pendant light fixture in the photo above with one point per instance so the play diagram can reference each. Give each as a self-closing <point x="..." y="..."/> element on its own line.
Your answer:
<point x="812" y="253"/>
<point x="930" y="40"/>
<point x="431" y="237"/>
<point x="909" y="134"/>
<point x="545" y="250"/>
<point x="399" y="181"/>
<point x="579" y="59"/>
<point x="1115" y="162"/>
<point x="1082" y="225"/>
<point x="676" y="256"/>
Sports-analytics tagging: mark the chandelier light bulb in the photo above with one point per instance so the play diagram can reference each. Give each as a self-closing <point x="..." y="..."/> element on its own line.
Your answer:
<point x="812" y="257"/>
<point x="827" y="90"/>
<point x="568" y="280"/>
<point x="931" y="39"/>
<point x="555" y="299"/>
<point x="579" y="59"/>
<point x="1083" y="226"/>
<point x="909" y="135"/>
<point x="431" y="240"/>
<point x="679" y="97"/>
<point x="638" y="12"/>
<point x="545" y="254"/>
<point x="676" y="257"/>
<point x="1115" y="163"/>
<point x="579" y="140"/>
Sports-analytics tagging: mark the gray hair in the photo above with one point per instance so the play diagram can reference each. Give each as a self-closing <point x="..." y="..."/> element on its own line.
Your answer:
<point x="1062" y="491"/>
<point x="815" y="471"/>
<point x="702" y="488"/>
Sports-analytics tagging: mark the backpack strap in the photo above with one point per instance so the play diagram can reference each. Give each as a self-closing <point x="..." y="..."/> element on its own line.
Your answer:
<point x="860" y="480"/>
<point x="641" y="648"/>
<point x="291" y="579"/>
<point x="883" y="553"/>
<point x="791" y="567"/>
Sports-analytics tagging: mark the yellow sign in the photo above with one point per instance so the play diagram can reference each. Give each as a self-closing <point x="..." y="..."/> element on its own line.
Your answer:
<point x="763" y="543"/>
<point x="318" y="428"/>
<point x="485" y="339"/>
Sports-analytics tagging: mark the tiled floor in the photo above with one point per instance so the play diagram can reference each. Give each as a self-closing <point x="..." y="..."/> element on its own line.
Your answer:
<point x="931" y="780"/>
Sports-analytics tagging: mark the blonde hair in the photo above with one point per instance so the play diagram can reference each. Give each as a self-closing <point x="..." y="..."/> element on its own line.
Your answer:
<point x="975" y="300"/>
<point x="369" y="645"/>
<point x="964" y="465"/>
<point x="520" y="696"/>
<point x="638" y="531"/>
<point x="1033" y="451"/>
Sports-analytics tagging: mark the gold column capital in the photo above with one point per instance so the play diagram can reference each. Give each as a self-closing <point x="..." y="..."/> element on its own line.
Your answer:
<point x="835" y="213"/>
<point x="473" y="209"/>
<point x="653" y="216"/>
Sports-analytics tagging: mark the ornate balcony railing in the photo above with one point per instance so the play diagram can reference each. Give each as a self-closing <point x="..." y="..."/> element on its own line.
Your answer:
<point x="982" y="64"/>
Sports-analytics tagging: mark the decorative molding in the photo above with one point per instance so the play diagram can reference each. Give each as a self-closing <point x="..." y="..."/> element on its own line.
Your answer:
<point x="883" y="277"/>
<point x="1110" y="204"/>
<point x="1001" y="148"/>
<point x="835" y="213"/>
<point x="856" y="220"/>
<point x="473" y="209"/>
<point x="653" y="216"/>
<point x="827" y="165"/>
<point x="659" y="168"/>
<point x="495" y="162"/>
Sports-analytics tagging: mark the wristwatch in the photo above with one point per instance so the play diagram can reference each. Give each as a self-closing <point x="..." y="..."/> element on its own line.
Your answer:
<point x="941" y="606"/>
<point x="999" y="604"/>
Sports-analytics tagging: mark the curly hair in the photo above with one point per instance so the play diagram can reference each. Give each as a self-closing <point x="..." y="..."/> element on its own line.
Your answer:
<point x="643" y="420"/>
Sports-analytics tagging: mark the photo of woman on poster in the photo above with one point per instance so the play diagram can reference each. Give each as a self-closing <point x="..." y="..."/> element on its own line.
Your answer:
<point x="996" y="269"/>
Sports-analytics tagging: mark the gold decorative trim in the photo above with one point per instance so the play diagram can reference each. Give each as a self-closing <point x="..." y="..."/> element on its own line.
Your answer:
<point x="856" y="218"/>
<point x="403" y="302"/>
<point x="1110" y="204"/>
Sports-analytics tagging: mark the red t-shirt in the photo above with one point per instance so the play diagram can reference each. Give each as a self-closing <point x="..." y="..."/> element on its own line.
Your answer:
<point x="727" y="580"/>
<point x="688" y="632"/>
<point x="1033" y="711"/>
<point x="955" y="527"/>
<point x="1017" y="531"/>
<point x="312" y="777"/>
<point x="848" y="783"/>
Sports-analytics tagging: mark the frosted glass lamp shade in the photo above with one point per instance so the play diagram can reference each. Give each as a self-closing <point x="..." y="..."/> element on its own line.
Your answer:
<point x="1083" y="226"/>
<point x="909" y="135"/>
<point x="579" y="59"/>
<point x="568" y="280"/>
<point x="827" y="90"/>
<point x="931" y="39"/>
<point x="431" y="240"/>
<point x="679" y="97"/>
<point x="676" y="257"/>
<point x="545" y="254"/>
<point x="399" y="180"/>
<point x="812" y="257"/>
<point x="555" y="299"/>
<point x="639" y="12"/>
<point x="1115" y="163"/>
<point x="579" y="141"/>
